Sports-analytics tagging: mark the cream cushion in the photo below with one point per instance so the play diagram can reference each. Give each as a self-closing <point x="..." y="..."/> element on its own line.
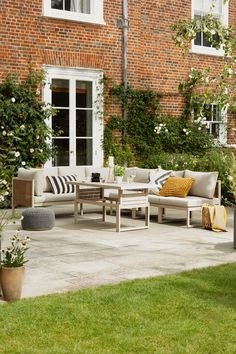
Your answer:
<point x="36" y="174"/>
<point x="187" y="202"/>
<point x="204" y="183"/>
<point x="70" y="170"/>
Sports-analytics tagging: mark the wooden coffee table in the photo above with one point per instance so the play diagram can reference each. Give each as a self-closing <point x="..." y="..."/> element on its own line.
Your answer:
<point x="124" y="196"/>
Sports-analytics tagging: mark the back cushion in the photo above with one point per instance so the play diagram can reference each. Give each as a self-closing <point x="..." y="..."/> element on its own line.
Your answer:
<point x="204" y="183"/>
<point x="34" y="174"/>
<point x="142" y="174"/>
<point x="177" y="173"/>
<point x="69" y="170"/>
<point x="49" y="171"/>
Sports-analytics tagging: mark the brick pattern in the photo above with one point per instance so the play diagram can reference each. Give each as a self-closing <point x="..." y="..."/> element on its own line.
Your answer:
<point x="153" y="60"/>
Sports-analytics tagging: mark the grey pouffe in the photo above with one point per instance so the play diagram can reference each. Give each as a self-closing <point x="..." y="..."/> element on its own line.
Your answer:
<point x="38" y="219"/>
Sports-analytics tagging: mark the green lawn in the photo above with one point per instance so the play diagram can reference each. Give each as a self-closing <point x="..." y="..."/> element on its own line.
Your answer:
<point x="191" y="312"/>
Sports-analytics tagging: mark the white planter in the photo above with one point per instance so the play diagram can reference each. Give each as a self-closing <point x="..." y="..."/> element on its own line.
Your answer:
<point x="118" y="179"/>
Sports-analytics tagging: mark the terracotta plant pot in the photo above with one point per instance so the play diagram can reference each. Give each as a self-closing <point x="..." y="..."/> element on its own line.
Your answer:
<point x="11" y="280"/>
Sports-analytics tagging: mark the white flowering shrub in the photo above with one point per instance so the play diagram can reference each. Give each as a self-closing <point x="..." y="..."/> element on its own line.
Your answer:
<point x="24" y="134"/>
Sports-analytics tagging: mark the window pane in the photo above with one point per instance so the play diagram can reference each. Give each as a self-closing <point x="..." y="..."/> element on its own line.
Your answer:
<point x="206" y="42"/>
<point x="60" y="93"/>
<point x="57" y="4"/>
<point x="61" y="157"/>
<point x="82" y="6"/>
<point x="84" y="123"/>
<point x="84" y="152"/>
<point x="83" y="94"/>
<point x="61" y="122"/>
<point x="215" y="129"/>
<point x="197" y="40"/>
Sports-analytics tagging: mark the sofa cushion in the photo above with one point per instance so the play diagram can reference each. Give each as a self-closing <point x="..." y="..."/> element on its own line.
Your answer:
<point x="157" y="180"/>
<point x="49" y="171"/>
<point x="36" y="174"/>
<point x="59" y="186"/>
<point x="187" y="202"/>
<point x="142" y="174"/>
<point x="204" y="183"/>
<point x="70" y="170"/>
<point x="177" y="173"/>
<point x="49" y="197"/>
<point x="176" y="187"/>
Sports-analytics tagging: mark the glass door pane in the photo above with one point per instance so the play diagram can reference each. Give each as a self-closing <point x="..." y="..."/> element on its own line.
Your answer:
<point x="84" y="123"/>
<point x="60" y="122"/>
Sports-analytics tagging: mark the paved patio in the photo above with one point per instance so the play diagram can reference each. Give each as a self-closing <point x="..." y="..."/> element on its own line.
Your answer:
<point x="91" y="253"/>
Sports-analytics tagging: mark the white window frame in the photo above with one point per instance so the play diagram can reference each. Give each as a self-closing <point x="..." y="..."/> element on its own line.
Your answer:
<point x="94" y="76"/>
<point x="95" y="16"/>
<point x="210" y="50"/>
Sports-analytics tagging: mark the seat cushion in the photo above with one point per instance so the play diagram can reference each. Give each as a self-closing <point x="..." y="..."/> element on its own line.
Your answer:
<point x="49" y="197"/>
<point x="204" y="183"/>
<point x="187" y="202"/>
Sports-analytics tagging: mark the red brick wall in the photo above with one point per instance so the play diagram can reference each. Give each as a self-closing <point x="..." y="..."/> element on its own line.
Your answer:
<point x="153" y="60"/>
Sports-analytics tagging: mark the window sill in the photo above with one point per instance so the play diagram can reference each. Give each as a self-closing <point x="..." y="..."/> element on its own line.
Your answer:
<point x="76" y="18"/>
<point x="207" y="51"/>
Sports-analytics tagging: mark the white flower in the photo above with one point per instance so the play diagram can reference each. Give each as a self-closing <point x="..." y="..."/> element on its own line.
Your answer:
<point x="40" y="150"/>
<point x="166" y="130"/>
<point x="199" y="128"/>
<point x="213" y="31"/>
<point x="31" y="150"/>
<point x="4" y="132"/>
<point x="1" y="198"/>
<point x="17" y="154"/>
<point x="187" y="133"/>
<point x="22" y="126"/>
<point x="2" y="127"/>
<point x="230" y="71"/>
<point x="3" y="181"/>
<point x="37" y="137"/>
<point x="184" y="130"/>
<point x="6" y="193"/>
<point x="13" y="99"/>
<point x="230" y="178"/>
<point x="10" y="134"/>
<point x="23" y="163"/>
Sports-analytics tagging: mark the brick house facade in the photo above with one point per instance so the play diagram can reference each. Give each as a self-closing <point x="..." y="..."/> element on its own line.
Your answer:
<point x="31" y="34"/>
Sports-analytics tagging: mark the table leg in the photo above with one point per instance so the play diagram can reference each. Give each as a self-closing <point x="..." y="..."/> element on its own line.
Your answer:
<point x="117" y="217"/>
<point x="104" y="213"/>
<point x="75" y="211"/>
<point x="147" y="216"/>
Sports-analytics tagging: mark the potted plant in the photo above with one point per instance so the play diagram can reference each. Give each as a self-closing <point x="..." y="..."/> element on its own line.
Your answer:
<point x="12" y="267"/>
<point x="119" y="172"/>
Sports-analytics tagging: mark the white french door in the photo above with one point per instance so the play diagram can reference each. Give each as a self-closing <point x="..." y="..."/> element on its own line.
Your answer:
<point x="78" y="129"/>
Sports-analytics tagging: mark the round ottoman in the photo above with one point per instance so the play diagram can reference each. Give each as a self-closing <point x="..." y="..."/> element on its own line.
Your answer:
<point x="38" y="219"/>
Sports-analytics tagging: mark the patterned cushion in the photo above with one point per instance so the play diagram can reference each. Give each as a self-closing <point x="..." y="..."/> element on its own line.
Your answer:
<point x="157" y="179"/>
<point x="59" y="186"/>
<point x="176" y="187"/>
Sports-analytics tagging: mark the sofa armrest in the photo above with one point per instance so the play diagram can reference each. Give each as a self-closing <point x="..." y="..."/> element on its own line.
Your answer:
<point x="217" y="193"/>
<point x="22" y="192"/>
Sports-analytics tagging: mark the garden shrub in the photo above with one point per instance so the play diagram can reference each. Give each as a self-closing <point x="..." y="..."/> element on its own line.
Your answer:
<point x="24" y="133"/>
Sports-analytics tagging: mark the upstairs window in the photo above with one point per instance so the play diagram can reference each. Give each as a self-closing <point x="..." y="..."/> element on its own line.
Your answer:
<point x="77" y="10"/>
<point x="201" y="8"/>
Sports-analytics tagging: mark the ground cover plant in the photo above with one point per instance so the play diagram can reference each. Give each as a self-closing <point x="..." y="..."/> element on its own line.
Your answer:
<point x="190" y="312"/>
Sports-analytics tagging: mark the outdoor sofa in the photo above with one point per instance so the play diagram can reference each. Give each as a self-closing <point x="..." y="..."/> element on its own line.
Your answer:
<point x="31" y="188"/>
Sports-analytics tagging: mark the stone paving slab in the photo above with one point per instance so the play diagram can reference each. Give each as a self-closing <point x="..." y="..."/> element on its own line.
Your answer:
<point x="91" y="253"/>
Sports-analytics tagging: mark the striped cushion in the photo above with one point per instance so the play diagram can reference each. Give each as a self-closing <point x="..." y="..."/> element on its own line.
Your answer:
<point x="59" y="186"/>
<point x="157" y="179"/>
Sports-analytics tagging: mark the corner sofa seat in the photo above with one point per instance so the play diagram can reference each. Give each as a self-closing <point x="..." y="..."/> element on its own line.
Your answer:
<point x="31" y="188"/>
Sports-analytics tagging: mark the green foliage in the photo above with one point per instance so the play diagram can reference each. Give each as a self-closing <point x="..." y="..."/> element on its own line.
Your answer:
<point x="24" y="133"/>
<point x="119" y="170"/>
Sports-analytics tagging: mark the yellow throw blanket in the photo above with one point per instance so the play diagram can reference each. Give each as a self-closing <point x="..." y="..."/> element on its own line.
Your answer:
<point x="214" y="217"/>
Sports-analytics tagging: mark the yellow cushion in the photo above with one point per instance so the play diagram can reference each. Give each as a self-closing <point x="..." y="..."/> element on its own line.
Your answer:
<point x="176" y="187"/>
